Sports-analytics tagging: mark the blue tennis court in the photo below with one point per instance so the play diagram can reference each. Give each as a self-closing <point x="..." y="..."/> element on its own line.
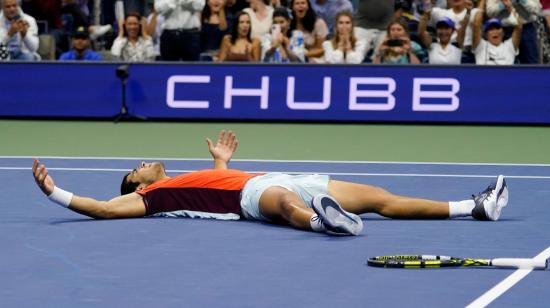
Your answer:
<point x="52" y="257"/>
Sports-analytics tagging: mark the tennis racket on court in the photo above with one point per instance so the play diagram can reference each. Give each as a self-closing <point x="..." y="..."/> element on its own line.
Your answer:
<point x="431" y="261"/>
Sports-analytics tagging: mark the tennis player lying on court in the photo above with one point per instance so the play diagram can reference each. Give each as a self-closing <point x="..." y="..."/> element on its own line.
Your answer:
<point x="308" y="202"/>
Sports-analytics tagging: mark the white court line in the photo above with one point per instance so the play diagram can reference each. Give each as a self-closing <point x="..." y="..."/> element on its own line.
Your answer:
<point x="506" y="284"/>
<point x="273" y="160"/>
<point x="306" y="172"/>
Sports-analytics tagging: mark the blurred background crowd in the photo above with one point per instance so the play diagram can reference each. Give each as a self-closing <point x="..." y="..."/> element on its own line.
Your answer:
<point x="500" y="32"/>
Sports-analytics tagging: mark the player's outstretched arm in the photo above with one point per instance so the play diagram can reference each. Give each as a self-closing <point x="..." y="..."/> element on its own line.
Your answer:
<point x="223" y="149"/>
<point x="126" y="206"/>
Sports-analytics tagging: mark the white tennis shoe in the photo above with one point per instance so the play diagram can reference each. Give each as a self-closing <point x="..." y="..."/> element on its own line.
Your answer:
<point x="336" y="220"/>
<point x="489" y="203"/>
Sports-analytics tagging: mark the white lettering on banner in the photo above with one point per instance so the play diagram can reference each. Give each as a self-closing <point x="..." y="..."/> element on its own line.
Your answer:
<point x="171" y="87"/>
<point x="292" y="104"/>
<point x="388" y="100"/>
<point x="354" y="93"/>
<point x="418" y="94"/>
<point x="263" y="92"/>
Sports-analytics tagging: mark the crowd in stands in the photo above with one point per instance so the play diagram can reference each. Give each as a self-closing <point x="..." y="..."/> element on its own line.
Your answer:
<point x="491" y="32"/>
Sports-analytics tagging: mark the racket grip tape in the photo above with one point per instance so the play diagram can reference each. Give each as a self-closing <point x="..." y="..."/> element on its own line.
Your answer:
<point x="520" y="263"/>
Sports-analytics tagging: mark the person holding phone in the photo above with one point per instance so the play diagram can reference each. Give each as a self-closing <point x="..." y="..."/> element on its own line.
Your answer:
<point x="344" y="47"/>
<point x="276" y="45"/>
<point x="133" y="43"/>
<point x="18" y="31"/>
<point x="398" y="48"/>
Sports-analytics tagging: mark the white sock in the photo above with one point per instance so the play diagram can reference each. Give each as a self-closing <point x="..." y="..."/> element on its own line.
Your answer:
<point x="316" y="223"/>
<point x="461" y="208"/>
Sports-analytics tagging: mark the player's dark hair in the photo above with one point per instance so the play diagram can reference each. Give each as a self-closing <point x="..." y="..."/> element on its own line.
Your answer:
<point x="127" y="187"/>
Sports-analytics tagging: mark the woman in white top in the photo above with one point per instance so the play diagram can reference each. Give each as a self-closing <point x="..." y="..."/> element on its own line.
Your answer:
<point x="494" y="50"/>
<point x="133" y="44"/>
<point x="261" y="17"/>
<point x="344" y="46"/>
<point x="442" y="51"/>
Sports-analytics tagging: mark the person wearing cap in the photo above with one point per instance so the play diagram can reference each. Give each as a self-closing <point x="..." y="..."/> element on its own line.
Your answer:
<point x="81" y="48"/>
<point x="494" y="50"/>
<point x="458" y="10"/>
<point x="442" y="51"/>
<point x="18" y="32"/>
<point x="528" y="11"/>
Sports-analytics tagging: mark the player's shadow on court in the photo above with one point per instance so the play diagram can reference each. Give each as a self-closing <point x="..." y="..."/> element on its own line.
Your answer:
<point x="84" y="220"/>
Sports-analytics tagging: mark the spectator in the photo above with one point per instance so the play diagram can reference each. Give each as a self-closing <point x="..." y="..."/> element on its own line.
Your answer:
<point x="239" y="45"/>
<point x="81" y="48"/>
<point x="328" y="9"/>
<point x="371" y="19"/>
<point x="442" y="51"/>
<point x="261" y="17"/>
<point x="344" y="46"/>
<point x="279" y="3"/>
<point x="44" y="10"/>
<point x="19" y="32"/>
<point x="546" y="12"/>
<point x="528" y="11"/>
<point x="277" y="46"/>
<point x="180" y="39"/>
<point x="544" y="32"/>
<point x="457" y="11"/>
<point x="216" y="22"/>
<point x="133" y="43"/>
<point x="494" y="50"/>
<point x="398" y="48"/>
<point x="74" y="17"/>
<point x="235" y="6"/>
<point x="307" y="25"/>
<point x="155" y="24"/>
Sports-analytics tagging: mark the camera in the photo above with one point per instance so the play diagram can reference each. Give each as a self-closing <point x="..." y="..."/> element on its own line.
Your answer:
<point x="394" y="43"/>
<point x="122" y="72"/>
<point x="15" y="17"/>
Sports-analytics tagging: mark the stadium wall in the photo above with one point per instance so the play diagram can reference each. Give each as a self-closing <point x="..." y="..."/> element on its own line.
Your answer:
<point x="257" y="92"/>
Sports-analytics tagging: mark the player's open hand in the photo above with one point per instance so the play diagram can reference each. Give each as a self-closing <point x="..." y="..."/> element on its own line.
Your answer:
<point x="43" y="180"/>
<point x="224" y="147"/>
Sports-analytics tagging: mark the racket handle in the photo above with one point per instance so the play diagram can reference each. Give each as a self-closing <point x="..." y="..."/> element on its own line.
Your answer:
<point x="520" y="263"/>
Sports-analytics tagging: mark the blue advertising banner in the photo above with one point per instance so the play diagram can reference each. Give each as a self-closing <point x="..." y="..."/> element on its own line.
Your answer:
<point x="358" y="93"/>
<point x="59" y="90"/>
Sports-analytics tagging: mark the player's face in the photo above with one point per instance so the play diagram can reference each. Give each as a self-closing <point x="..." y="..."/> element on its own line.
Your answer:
<point x="147" y="173"/>
<point x="10" y="8"/>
